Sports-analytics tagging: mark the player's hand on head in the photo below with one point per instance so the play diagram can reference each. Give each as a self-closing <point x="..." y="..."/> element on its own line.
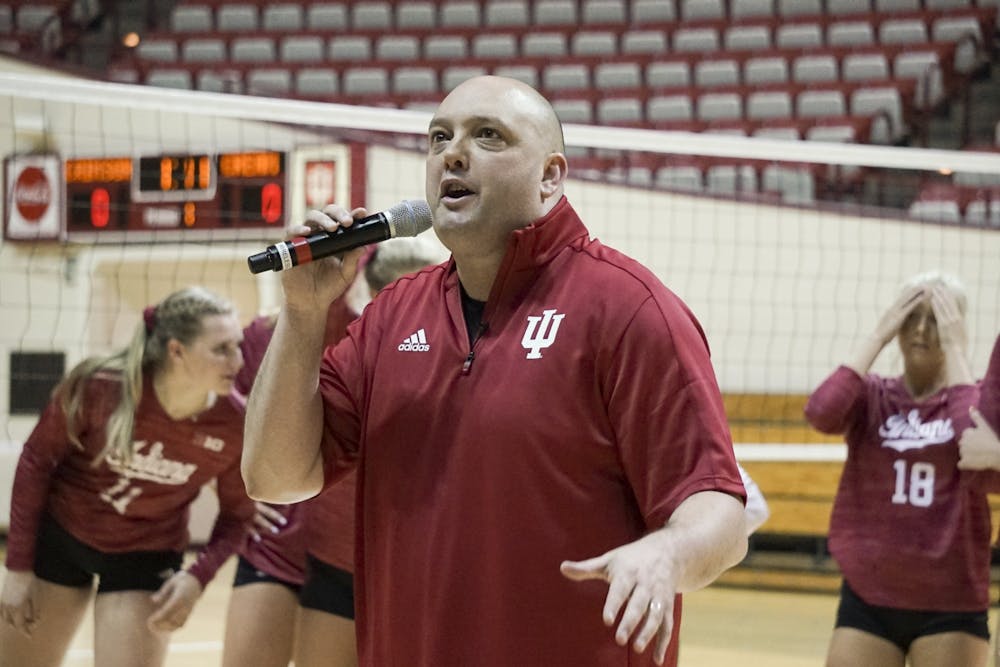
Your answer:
<point x="174" y="602"/>
<point x="948" y="315"/>
<point x="18" y="602"/>
<point x="641" y="589"/>
<point x="894" y="316"/>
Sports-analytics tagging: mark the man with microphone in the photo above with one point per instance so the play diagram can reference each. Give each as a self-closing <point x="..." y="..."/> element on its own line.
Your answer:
<point x="548" y="458"/>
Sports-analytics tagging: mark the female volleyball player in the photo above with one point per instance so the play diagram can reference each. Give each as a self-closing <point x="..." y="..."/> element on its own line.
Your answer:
<point x="105" y="481"/>
<point x="909" y="531"/>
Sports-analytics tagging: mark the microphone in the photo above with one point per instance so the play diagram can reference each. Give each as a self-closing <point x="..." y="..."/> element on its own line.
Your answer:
<point x="407" y="218"/>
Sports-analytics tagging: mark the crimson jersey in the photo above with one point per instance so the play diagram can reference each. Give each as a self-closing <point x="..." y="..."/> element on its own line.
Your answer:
<point x="143" y="505"/>
<point x="584" y="414"/>
<point x="908" y="529"/>
<point x="989" y="401"/>
<point x="323" y="525"/>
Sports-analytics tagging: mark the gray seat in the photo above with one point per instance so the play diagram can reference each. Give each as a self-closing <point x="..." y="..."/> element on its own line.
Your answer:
<point x="365" y="81"/>
<point x="188" y="18"/>
<point x="252" y="50"/>
<point x="316" y="82"/>
<point x="285" y="17"/>
<point x="270" y="81"/>
<point x="326" y="16"/>
<point x="301" y="49"/>
<point x="169" y="78"/>
<point x="555" y="12"/>
<point x="236" y="18"/>
<point x="203" y="50"/>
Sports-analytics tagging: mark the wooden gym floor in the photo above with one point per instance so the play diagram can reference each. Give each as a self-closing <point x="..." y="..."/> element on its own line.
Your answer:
<point x="723" y="625"/>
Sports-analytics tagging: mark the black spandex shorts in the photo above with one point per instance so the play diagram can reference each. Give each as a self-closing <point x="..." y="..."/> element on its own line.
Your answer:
<point x="246" y="573"/>
<point x="328" y="588"/>
<point x="62" y="559"/>
<point x="903" y="626"/>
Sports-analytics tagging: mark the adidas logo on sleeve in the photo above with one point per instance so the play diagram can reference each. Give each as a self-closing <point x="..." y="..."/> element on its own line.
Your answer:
<point x="415" y="343"/>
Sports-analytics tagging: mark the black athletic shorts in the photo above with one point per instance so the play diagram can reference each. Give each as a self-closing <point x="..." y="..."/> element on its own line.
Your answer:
<point x="903" y="626"/>
<point x="246" y="573"/>
<point x="328" y="588"/>
<point x="62" y="559"/>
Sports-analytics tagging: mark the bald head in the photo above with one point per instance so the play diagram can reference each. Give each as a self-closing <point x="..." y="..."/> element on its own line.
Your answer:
<point x="510" y="96"/>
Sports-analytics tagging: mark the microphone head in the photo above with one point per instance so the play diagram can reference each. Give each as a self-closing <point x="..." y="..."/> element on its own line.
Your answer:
<point x="409" y="218"/>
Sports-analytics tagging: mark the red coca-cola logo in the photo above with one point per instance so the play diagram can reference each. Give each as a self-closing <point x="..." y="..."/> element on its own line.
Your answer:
<point x="32" y="194"/>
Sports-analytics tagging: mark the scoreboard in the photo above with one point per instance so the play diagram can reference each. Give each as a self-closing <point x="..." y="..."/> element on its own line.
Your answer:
<point x="176" y="197"/>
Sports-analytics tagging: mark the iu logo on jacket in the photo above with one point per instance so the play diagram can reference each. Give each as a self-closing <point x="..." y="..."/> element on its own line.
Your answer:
<point x="541" y="332"/>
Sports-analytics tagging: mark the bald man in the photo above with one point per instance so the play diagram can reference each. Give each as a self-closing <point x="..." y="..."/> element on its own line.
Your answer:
<point x="541" y="446"/>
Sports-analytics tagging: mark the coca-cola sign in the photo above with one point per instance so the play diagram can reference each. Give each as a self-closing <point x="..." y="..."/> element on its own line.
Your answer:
<point x="32" y="194"/>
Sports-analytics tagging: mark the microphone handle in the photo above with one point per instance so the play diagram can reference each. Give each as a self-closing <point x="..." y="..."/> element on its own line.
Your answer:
<point x="304" y="249"/>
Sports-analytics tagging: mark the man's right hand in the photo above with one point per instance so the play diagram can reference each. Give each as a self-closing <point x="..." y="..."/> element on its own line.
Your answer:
<point x="311" y="288"/>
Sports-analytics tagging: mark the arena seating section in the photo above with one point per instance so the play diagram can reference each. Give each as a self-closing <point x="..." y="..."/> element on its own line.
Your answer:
<point x="865" y="71"/>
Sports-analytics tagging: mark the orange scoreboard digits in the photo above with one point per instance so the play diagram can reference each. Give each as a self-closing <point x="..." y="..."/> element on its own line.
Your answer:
<point x="196" y="195"/>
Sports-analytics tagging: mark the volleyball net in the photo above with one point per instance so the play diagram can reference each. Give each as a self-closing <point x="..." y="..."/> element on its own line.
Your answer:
<point x="787" y="251"/>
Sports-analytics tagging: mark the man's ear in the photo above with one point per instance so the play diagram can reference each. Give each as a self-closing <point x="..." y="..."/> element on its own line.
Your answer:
<point x="553" y="175"/>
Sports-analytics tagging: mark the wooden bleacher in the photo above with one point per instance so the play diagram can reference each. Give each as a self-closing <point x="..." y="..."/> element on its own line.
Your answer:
<point x="799" y="493"/>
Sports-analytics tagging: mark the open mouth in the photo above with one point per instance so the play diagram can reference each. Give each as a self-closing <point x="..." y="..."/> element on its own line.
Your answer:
<point x="454" y="191"/>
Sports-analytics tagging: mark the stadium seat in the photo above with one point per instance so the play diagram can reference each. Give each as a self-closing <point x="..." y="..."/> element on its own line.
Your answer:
<point x="454" y="75"/>
<point x="696" y="39"/>
<point x="718" y="106"/>
<point x="460" y="14"/>
<point x="416" y="15"/>
<point x="269" y="82"/>
<point x="620" y="110"/>
<point x="571" y="76"/>
<point x="169" y="78"/>
<point x="326" y="16"/>
<point x="611" y="75"/>
<point x="850" y="33"/>
<point x="555" y="12"/>
<point x="505" y="13"/>
<point x="747" y="37"/>
<point x="415" y="79"/>
<point x="700" y="10"/>
<point x="897" y="6"/>
<point x="371" y="15"/>
<point x="604" y="11"/>
<point x="301" y="49"/>
<point x="526" y="73"/>
<point x="799" y="36"/>
<point x="252" y="50"/>
<point x="158" y="50"/>
<point x="365" y="80"/>
<point x="316" y="82"/>
<point x="811" y="103"/>
<point x="864" y="67"/>
<point x="789" y="8"/>
<point x="349" y="48"/>
<point x="594" y="43"/>
<point x="184" y="18"/>
<point x="397" y="47"/>
<point x="668" y="74"/>
<point x="815" y="68"/>
<point x="643" y="41"/>
<point x="285" y="17"/>
<point x="924" y="67"/>
<point x="236" y="18"/>
<point x="489" y="45"/>
<point x="716" y="72"/>
<point x="204" y="50"/>
<point x="661" y="108"/>
<point x="762" y="104"/>
<point x="445" y="47"/>
<point x="653" y="11"/>
<point x="573" y="110"/>
<point x="742" y="9"/>
<point x="765" y="69"/>
<point x="903" y="31"/>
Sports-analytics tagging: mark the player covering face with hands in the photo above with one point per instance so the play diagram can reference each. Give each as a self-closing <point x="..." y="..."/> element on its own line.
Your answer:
<point x="910" y="530"/>
<point x="552" y="459"/>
